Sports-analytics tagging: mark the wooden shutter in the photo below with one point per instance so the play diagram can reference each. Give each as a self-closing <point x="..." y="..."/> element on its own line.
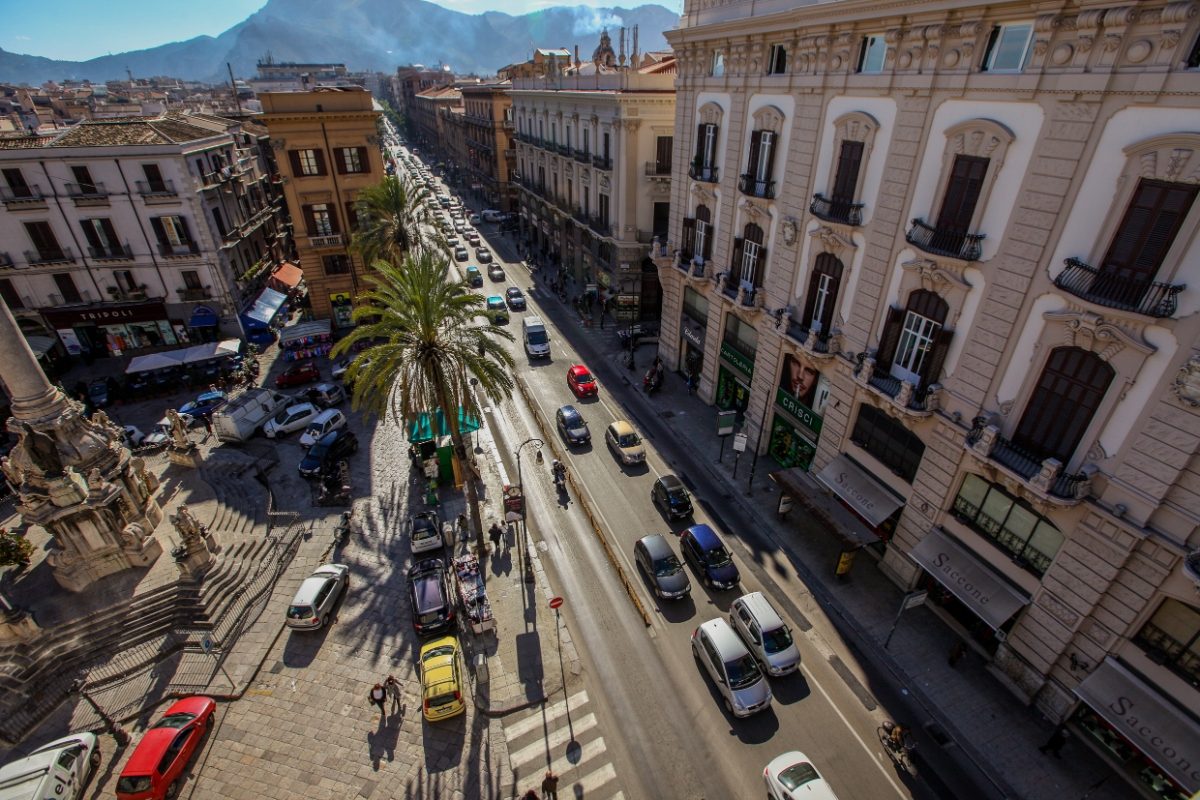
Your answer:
<point x="931" y="370"/>
<point x="334" y="226"/>
<point x="187" y="230"/>
<point x="962" y="194"/>
<point x="9" y="294"/>
<point x="89" y="233"/>
<point x="752" y="167"/>
<point x="735" y="262"/>
<point x="662" y="156"/>
<point x="310" y="221"/>
<point x="339" y="157"/>
<point x="320" y="154"/>
<point x="294" y="158"/>
<point x="351" y="216"/>
<point x="110" y="232"/>
<point x="760" y="258"/>
<point x="889" y="339"/>
<point x="769" y="173"/>
<point x="160" y="232"/>
<point x="709" y="235"/>
<point x="810" y="300"/>
<point x="364" y="162"/>
<point x="689" y="237"/>
<point x="845" y="183"/>
<point x="1068" y="393"/>
<point x="1148" y="229"/>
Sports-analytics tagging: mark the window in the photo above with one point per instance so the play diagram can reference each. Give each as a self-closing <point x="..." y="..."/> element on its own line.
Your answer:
<point x="154" y="177"/>
<point x="352" y="160"/>
<point x="16" y="183"/>
<point x="320" y="220"/>
<point x="748" y="257"/>
<point x="307" y="162"/>
<point x="191" y="279"/>
<point x="1156" y="213"/>
<point x="219" y="221"/>
<point x="661" y="221"/>
<point x="1172" y="638"/>
<point x="336" y="265"/>
<point x="124" y="280"/>
<point x="757" y="180"/>
<point x="845" y="181"/>
<point x="101" y="237"/>
<point x="663" y="145"/>
<point x="603" y="209"/>
<point x="9" y="294"/>
<point x="718" y="64"/>
<point x="872" y="54"/>
<point x="1010" y="524"/>
<point x="1193" y="59"/>
<point x="352" y="215"/>
<point x="1007" y="48"/>
<point x="777" y="60"/>
<point x="896" y="447"/>
<point x="704" y="237"/>
<point x="66" y="288"/>
<point x="706" y="151"/>
<point x="587" y="144"/>
<point x="821" y="301"/>
<point x="171" y="230"/>
<point x="961" y="197"/>
<point x="914" y="341"/>
<point x="605" y="150"/>
<point x="44" y="241"/>
<point x="1067" y="396"/>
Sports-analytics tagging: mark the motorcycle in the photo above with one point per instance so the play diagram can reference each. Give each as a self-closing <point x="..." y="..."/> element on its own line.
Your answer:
<point x="652" y="382"/>
<point x="335" y="486"/>
<point x="560" y="477"/>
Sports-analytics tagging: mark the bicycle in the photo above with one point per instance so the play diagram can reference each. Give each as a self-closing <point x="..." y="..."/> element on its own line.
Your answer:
<point x="899" y="748"/>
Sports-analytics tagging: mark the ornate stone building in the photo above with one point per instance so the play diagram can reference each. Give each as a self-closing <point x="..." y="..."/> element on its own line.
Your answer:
<point x="943" y="258"/>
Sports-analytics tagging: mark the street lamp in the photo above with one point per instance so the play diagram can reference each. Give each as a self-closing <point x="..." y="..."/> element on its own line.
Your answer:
<point x="110" y="724"/>
<point x="538" y="443"/>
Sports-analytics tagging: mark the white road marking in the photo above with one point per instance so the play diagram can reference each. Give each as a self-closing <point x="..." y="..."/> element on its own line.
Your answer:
<point x="555" y="739"/>
<point x="548" y="715"/>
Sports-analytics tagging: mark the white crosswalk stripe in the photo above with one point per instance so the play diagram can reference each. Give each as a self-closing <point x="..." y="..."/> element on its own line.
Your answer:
<point x="564" y="737"/>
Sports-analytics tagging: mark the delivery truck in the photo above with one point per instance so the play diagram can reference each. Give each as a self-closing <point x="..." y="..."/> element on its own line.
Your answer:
<point x="244" y="415"/>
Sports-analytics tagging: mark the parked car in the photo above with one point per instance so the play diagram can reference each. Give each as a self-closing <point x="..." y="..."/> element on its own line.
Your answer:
<point x="497" y="311"/>
<point x="640" y="332"/>
<point x="193" y="411"/>
<point x="767" y="636"/>
<point x="132" y="436"/>
<point x="491" y="215"/>
<point x="472" y="238"/>
<point x="732" y="669"/>
<point x="461" y="254"/>
<point x="496" y="273"/>
<point x="58" y="770"/>
<point x="159" y="435"/>
<point x="441" y="679"/>
<point x="298" y="375"/>
<point x="475" y="219"/>
<point x="425" y="531"/>
<point x="671" y="497"/>
<point x="329" y="449"/>
<point x="483" y="255"/>
<point x="326" y="395"/>
<point x="328" y="420"/>
<point x="102" y="392"/>
<point x="318" y="594"/>
<point x="290" y="420"/>
<point x="338" y="370"/>
<point x="474" y="276"/>
<point x="155" y="769"/>
<point x="429" y="593"/>
<point x="581" y="381"/>
<point x="453" y="242"/>
<point x="623" y="440"/>
<point x="791" y="775"/>
<point x="657" y="561"/>
<point x="705" y="551"/>
<point x="572" y="426"/>
<point x="515" y="298"/>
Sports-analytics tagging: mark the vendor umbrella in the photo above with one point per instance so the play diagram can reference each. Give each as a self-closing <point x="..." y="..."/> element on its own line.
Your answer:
<point x="428" y="426"/>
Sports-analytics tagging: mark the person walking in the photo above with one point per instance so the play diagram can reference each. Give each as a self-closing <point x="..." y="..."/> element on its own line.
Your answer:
<point x="550" y="785"/>
<point x="495" y="533"/>
<point x="208" y="426"/>
<point x="377" y="695"/>
<point x="392" y="687"/>
<point x="1054" y="745"/>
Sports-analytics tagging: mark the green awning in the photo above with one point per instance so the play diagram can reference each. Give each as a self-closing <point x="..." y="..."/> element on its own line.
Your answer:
<point x="422" y="428"/>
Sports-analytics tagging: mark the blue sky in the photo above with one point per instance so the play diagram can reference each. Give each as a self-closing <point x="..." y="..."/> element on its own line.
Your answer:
<point x="77" y="30"/>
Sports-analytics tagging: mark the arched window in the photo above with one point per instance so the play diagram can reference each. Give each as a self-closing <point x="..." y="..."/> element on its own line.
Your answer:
<point x="704" y="233"/>
<point x="748" y="257"/>
<point x="914" y="343"/>
<point x="822" y="294"/>
<point x="1067" y="396"/>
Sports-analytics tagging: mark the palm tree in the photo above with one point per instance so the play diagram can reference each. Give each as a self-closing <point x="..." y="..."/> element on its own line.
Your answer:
<point x="426" y="349"/>
<point x="391" y="216"/>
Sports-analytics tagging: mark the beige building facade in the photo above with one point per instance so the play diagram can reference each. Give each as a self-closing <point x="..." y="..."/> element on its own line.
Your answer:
<point x="943" y="260"/>
<point x="491" y="154"/>
<point x="327" y="147"/>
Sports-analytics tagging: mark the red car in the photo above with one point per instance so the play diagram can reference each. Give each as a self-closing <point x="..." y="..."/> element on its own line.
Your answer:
<point x="298" y="375"/>
<point x="581" y="381"/>
<point x="155" y="769"/>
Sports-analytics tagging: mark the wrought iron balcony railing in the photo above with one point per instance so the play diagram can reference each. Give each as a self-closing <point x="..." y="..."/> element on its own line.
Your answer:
<point x="945" y="242"/>
<point x="703" y="173"/>
<point x="836" y="210"/>
<point x="1106" y="288"/>
<point x="748" y="184"/>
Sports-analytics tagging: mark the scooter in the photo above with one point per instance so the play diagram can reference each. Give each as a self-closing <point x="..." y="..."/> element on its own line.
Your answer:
<point x="651" y="382"/>
<point x="341" y="533"/>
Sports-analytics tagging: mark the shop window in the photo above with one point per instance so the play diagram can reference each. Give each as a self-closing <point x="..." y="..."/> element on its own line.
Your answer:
<point x="740" y="336"/>
<point x="777" y="61"/>
<point x="1010" y="524"/>
<point x="872" y="55"/>
<point x="1172" y="638"/>
<point x="1067" y="395"/>
<point x="1007" y="47"/>
<point x="896" y="447"/>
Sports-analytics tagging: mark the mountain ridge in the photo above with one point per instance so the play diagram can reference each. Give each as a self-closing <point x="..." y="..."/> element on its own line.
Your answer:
<point x="363" y="34"/>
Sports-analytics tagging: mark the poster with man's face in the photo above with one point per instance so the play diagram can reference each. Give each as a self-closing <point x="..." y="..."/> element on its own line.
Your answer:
<point x="805" y="383"/>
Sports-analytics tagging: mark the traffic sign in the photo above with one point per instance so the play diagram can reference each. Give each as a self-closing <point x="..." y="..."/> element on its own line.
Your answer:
<point x="206" y="643"/>
<point x="739" y="442"/>
<point x="556" y="602"/>
<point x="726" y="420"/>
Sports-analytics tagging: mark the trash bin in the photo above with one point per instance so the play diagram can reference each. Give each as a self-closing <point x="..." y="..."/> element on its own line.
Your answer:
<point x="481" y="668"/>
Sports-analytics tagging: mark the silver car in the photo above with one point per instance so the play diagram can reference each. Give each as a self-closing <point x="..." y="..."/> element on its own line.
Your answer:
<point x="765" y="633"/>
<point x="660" y="565"/>
<point x="314" y="600"/>
<point x="731" y="667"/>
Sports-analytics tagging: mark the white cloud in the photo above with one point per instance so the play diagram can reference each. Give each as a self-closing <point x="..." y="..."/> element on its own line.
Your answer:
<point x="595" y="22"/>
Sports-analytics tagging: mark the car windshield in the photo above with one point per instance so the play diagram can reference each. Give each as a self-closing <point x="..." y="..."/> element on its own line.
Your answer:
<point x="423" y="528"/>
<point x="677" y="495"/>
<point x="666" y="566"/>
<point x="299" y="612"/>
<point x="797" y="775"/>
<point x="584" y="377"/>
<point x="717" y="557"/>
<point x="132" y="784"/>
<point x="177" y="720"/>
<point x="742" y="672"/>
<point x="282" y="416"/>
<point x="777" y="641"/>
<point x="438" y="652"/>
<point x="629" y="440"/>
<point x="495" y="303"/>
<point x="317" y="452"/>
<point x="538" y="337"/>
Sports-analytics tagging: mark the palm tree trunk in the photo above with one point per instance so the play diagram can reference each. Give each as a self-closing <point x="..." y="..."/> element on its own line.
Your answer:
<point x="450" y="414"/>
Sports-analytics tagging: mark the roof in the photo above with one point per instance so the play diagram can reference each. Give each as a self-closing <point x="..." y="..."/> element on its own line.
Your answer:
<point x="24" y="142"/>
<point x="171" y="128"/>
<point x="553" y="51"/>
<point x="705" y="536"/>
<point x="288" y="274"/>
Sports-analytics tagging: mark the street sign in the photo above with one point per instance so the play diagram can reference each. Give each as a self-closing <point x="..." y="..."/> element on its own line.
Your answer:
<point x="739" y="442"/>
<point x="726" y="420"/>
<point x="556" y="602"/>
<point x="914" y="599"/>
<point x="206" y="643"/>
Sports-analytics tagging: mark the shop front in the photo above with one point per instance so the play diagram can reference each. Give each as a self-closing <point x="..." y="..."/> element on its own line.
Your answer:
<point x="693" y="323"/>
<point x="202" y="325"/>
<point x="111" y="330"/>
<point x="736" y="366"/>
<point x="800" y="404"/>
<point x="342" y="309"/>
<point x="1150" y="740"/>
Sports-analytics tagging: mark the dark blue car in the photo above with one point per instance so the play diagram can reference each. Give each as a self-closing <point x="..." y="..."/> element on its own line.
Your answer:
<point x="705" y="551"/>
<point x="329" y="449"/>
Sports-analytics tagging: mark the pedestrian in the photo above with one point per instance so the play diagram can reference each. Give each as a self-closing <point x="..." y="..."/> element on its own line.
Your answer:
<point x="208" y="428"/>
<point x="550" y="785"/>
<point x="495" y="534"/>
<point x="462" y="525"/>
<point x="1054" y="745"/>
<point x="956" y="653"/>
<point x="530" y="795"/>
<point x="377" y="696"/>
<point x="392" y="687"/>
<point x="691" y="383"/>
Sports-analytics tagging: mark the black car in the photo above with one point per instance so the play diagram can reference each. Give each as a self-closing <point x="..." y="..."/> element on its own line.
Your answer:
<point x="429" y="593"/>
<point x="639" y="332"/>
<point x="572" y="427"/>
<point x="101" y="392"/>
<point x="328" y="449"/>
<point x="516" y="300"/>
<point x="670" y="495"/>
<point x="706" y="553"/>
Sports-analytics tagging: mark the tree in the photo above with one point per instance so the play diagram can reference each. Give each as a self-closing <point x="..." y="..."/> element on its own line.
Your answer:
<point x="426" y="346"/>
<point x="391" y="216"/>
<point x="14" y="550"/>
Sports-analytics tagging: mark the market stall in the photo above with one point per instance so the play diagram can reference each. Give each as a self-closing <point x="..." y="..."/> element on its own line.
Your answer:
<point x="472" y="594"/>
<point x="306" y="340"/>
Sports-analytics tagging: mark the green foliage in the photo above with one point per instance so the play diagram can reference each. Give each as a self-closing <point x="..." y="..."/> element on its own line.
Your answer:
<point x="391" y="216"/>
<point x="14" y="549"/>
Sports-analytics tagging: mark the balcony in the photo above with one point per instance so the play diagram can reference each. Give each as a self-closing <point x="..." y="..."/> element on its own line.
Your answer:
<point x="117" y="294"/>
<point x="822" y="344"/>
<point x="181" y="250"/>
<point x="842" y="211"/>
<point x="582" y="156"/>
<point x="702" y="173"/>
<point x="156" y="188"/>
<point x="1043" y="476"/>
<point x="943" y="242"/>
<point x="187" y="295"/>
<point x="600" y="225"/>
<point x="87" y="194"/>
<point x="749" y="185"/>
<point x="1151" y="298"/>
<point x="28" y="196"/>
<point x="602" y="162"/>
<point x="916" y="401"/>
<point x="121" y="252"/>
<point x="662" y="168"/>
<point x="326" y="241"/>
<point x="580" y="216"/>
<point x="60" y="256"/>
<point x="563" y="150"/>
<point x="5" y="259"/>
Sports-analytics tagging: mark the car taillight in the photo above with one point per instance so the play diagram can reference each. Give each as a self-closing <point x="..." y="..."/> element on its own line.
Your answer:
<point x="426" y="704"/>
<point x="315" y="619"/>
<point x="458" y="697"/>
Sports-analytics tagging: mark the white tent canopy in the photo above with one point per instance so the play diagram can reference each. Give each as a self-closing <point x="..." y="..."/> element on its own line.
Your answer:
<point x="302" y="330"/>
<point x="187" y="355"/>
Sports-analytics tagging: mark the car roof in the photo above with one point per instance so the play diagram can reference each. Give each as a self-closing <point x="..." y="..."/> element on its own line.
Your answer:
<point x="570" y="412"/>
<point x="621" y="427"/>
<point x="296" y="406"/>
<point x="670" y="482"/>
<point x="578" y="368"/>
<point x="656" y="546"/>
<point x="329" y="438"/>
<point x="307" y="593"/>
<point x="149" y="751"/>
<point x="495" y="297"/>
<point x="442" y="641"/>
<point x="427" y="591"/>
<point x="326" y="415"/>
<point x="728" y="644"/>
<point x="705" y="536"/>
<point x="761" y="608"/>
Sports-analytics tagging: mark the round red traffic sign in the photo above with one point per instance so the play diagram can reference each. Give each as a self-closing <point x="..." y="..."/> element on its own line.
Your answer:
<point x="556" y="602"/>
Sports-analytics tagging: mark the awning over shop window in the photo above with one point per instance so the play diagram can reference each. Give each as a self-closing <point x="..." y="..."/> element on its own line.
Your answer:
<point x="1156" y="726"/>
<point x="265" y="307"/>
<point x="288" y="274"/>
<point x="40" y="345"/>
<point x="203" y="317"/>
<point x="303" y="330"/>
<point x="186" y="355"/>
<point x="803" y="488"/>
<point x="422" y="428"/>
<point x="859" y="490"/>
<point x="968" y="578"/>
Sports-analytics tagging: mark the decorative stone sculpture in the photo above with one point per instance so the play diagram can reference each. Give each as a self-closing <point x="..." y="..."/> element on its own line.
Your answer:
<point x="178" y="431"/>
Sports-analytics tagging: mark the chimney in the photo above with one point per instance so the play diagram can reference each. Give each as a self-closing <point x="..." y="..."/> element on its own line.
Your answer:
<point x="578" y="63"/>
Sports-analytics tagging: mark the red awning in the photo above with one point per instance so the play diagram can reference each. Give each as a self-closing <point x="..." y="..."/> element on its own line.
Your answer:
<point x="288" y="274"/>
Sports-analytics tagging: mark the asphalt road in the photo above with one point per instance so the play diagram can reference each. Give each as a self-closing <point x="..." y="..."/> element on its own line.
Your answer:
<point x="677" y="739"/>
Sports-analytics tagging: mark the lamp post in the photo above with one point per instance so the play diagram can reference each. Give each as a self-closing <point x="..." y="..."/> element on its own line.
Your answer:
<point x="762" y="425"/>
<point x="538" y="443"/>
<point x="110" y="724"/>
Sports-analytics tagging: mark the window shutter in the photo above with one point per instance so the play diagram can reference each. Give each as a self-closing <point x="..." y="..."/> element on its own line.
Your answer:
<point x="768" y="173"/>
<point x="710" y="234"/>
<point x="109" y="231"/>
<point x="339" y="157"/>
<point x="160" y="233"/>
<point x="835" y="283"/>
<point x="187" y="230"/>
<point x="889" y="339"/>
<point x="845" y="183"/>
<point x="294" y="158"/>
<point x="1148" y="229"/>
<point x="363" y="161"/>
<point x="755" y="140"/>
<point x="700" y="138"/>
<point x="735" y="263"/>
<point x="333" y="220"/>
<point x="931" y="370"/>
<point x="962" y="194"/>
<point x="320" y="154"/>
<point x="351" y="216"/>
<point x="663" y="151"/>
<point x="810" y="300"/>
<point x="89" y="232"/>
<point x="689" y="237"/>
<point x="310" y="221"/>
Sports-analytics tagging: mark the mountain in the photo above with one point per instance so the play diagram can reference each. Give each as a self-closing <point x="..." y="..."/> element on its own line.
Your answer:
<point x="363" y="34"/>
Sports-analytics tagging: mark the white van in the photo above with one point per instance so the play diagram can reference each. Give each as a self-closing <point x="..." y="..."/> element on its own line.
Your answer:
<point x="59" y="770"/>
<point x="537" y="341"/>
<point x="766" y="635"/>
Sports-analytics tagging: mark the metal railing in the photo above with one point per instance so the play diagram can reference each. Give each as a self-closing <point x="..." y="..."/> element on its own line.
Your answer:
<point x="156" y="188"/>
<point x="120" y="251"/>
<point x="62" y="255"/>
<point x="841" y="211"/>
<point x="800" y="333"/>
<point x="186" y="295"/>
<point x="22" y="194"/>
<point x="748" y="184"/>
<point x="702" y="173"/>
<point x="168" y="250"/>
<point x="86" y="190"/>
<point x="582" y="156"/>
<point x="602" y="162"/>
<point x="945" y="242"/>
<point x="600" y="225"/>
<point x="329" y="240"/>
<point x="1105" y="288"/>
<point x="658" y="168"/>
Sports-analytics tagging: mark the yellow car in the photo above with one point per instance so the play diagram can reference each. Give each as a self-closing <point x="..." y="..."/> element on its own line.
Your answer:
<point x="441" y="680"/>
<point x="623" y="440"/>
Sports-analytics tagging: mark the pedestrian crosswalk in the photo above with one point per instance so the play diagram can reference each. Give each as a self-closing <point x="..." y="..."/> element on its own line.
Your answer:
<point x="565" y="738"/>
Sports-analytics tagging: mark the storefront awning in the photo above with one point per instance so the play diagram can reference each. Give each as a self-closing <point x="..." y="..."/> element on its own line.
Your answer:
<point x="801" y="487"/>
<point x="40" y="345"/>
<point x="1156" y="726"/>
<point x="186" y="355"/>
<point x="859" y="490"/>
<point x="203" y="317"/>
<point x="422" y="428"/>
<point x="968" y="578"/>
<point x="265" y="307"/>
<point x="288" y="274"/>
<point x="303" y="330"/>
